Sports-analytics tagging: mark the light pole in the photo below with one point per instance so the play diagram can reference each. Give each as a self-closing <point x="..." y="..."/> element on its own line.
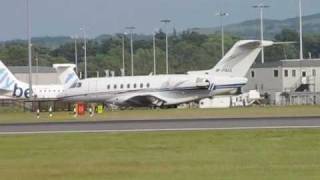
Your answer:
<point x="131" y="28"/>
<point x="37" y="68"/>
<point x="301" y="32"/>
<point x="85" y="51"/>
<point x="75" y="37"/>
<point x="221" y="15"/>
<point x="154" y="53"/>
<point x="123" y="55"/>
<point x="261" y="7"/>
<point x="166" y="22"/>
<point x="29" y="48"/>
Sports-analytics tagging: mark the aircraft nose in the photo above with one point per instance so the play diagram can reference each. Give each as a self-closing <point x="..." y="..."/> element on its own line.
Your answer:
<point x="61" y="95"/>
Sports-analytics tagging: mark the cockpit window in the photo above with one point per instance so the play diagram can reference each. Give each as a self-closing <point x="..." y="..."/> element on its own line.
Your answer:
<point x="73" y="85"/>
<point x="79" y="84"/>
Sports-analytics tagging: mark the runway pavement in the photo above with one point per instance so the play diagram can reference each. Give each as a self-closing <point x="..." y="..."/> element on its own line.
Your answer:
<point x="161" y="125"/>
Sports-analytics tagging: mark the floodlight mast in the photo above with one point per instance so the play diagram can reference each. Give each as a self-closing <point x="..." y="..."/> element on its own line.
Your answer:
<point x="123" y="55"/>
<point x="131" y="28"/>
<point x="166" y="22"/>
<point x="75" y="37"/>
<point x="261" y="7"/>
<point x="154" y="53"/>
<point x="221" y="15"/>
<point x="85" y="52"/>
<point x="301" y="31"/>
<point x="29" y="48"/>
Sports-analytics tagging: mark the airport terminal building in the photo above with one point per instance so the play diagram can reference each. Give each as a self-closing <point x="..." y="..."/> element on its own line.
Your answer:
<point x="286" y="82"/>
<point x="41" y="75"/>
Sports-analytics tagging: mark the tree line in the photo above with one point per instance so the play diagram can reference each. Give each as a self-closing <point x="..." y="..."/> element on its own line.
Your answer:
<point x="187" y="51"/>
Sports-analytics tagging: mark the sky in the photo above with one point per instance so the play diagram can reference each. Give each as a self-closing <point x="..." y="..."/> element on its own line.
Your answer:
<point x="66" y="17"/>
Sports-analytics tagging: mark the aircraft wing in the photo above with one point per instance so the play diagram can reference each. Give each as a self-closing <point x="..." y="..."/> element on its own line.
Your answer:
<point x="138" y="99"/>
<point x="143" y="100"/>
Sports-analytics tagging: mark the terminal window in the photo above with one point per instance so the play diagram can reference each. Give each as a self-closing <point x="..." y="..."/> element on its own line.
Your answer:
<point x="286" y="74"/>
<point x="252" y="74"/>
<point x="294" y="73"/>
<point x="314" y="73"/>
<point x="275" y="73"/>
<point x="304" y="74"/>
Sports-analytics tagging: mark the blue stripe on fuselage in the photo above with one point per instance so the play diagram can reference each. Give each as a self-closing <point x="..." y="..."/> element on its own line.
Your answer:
<point x="225" y="86"/>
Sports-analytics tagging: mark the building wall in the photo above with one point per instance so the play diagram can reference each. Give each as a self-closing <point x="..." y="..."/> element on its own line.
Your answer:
<point x="40" y="78"/>
<point x="312" y="77"/>
<point x="264" y="80"/>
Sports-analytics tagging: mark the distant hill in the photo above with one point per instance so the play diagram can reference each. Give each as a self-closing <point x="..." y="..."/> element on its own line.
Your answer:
<point x="251" y="28"/>
<point x="247" y="29"/>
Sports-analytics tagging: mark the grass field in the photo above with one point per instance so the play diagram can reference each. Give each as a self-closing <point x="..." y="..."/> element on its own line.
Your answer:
<point x="7" y="116"/>
<point x="226" y="155"/>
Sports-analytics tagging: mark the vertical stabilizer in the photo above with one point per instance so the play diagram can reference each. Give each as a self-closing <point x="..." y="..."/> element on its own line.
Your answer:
<point x="7" y="79"/>
<point x="66" y="74"/>
<point x="240" y="58"/>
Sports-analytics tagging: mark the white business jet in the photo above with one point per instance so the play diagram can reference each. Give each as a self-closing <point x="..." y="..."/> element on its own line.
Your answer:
<point x="12" y="88"/>
<point x="166" y="90"/>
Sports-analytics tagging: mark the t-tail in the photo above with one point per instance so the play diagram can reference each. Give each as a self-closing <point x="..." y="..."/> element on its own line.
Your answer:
<point x="239" y="58"/>
<point x="66" y="74"/>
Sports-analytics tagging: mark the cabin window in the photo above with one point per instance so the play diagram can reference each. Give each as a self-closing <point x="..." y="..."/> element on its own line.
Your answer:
<point x="275" y="73"/>
<point x="148" y="85"/>
<point x="121" y="86"/>
<point x="141" y="85"/>
<point x="294" y="73"/>
<point x="115" y="86"/>
<point x="286" y="73"/>
<point x="134" y="85"/>
<point x="252" y="74"/>
<point x="128" y="86"/>
<point x="108" y="86"/>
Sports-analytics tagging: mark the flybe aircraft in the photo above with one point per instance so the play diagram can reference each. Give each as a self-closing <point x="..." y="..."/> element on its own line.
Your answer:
<point x="165" y="90"/>
<point x="10" y="87"/>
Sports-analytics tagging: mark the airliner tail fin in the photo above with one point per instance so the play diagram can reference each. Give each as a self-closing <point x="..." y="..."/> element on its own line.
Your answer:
<point x="66" y="73"/>
<point x="7" y="79"/>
